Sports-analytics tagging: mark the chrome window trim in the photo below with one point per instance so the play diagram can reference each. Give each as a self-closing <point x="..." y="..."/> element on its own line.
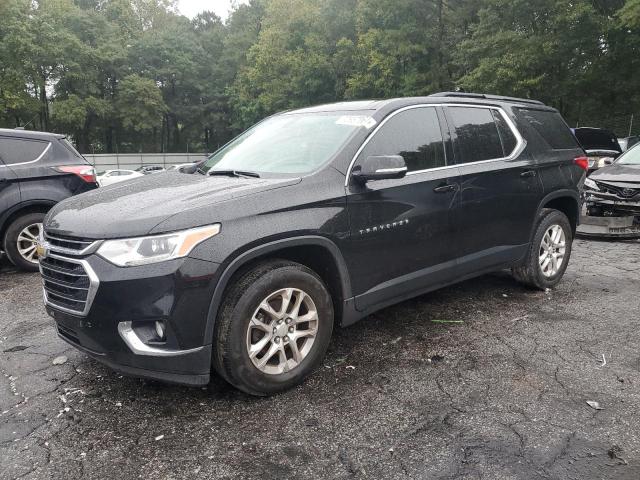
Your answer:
<point x="392" y="170"/>
<point x="520" y="144"/>
<point x="7" y="165"/>
<point x="138" y="347"/>
<point x="94" y="283"/>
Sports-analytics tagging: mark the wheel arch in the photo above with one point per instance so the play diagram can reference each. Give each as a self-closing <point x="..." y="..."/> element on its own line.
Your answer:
<point x="315" y="252"/>
<point x="565" y="201"/>
<point x="30" y="206"/>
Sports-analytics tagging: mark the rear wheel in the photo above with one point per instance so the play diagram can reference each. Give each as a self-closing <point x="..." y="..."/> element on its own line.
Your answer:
<point x="549" y="252"/>
<point x="20" y="241"/>
<point x="273" y="329"/>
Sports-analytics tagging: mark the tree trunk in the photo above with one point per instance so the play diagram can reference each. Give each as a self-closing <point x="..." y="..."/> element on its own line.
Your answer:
<point x="44" y="104"/>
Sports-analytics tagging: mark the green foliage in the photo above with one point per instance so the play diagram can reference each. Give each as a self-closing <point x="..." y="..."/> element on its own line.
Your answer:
<point x="134" y="75"/>
<point x="139" y="104"/>
<point x="630" y="14"/>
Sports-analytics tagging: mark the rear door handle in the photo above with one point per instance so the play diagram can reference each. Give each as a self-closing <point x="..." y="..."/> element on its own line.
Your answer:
<point x="528" y="173"/>
<point x="445" y="188"/>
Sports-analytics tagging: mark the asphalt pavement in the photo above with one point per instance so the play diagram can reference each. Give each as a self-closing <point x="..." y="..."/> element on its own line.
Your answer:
<point x="485" y="379"/>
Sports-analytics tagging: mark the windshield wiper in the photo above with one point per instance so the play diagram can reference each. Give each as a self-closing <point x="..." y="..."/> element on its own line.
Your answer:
<point x="234" y="173"/>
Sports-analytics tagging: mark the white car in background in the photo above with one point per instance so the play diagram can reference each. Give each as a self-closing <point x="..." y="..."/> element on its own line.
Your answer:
<point x="109" y="177"/>
<point x="183" y="167"/>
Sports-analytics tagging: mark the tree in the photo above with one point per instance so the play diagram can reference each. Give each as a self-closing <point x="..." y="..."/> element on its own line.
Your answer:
<point x="134" y="75"/>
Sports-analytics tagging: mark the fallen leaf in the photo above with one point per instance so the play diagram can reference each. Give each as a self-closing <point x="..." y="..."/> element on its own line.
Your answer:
<point x="594" y="405"/>
<point x="60" y="360"/>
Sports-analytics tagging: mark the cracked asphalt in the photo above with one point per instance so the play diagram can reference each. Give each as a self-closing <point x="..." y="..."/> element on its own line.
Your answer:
<point x="485" y="379"/>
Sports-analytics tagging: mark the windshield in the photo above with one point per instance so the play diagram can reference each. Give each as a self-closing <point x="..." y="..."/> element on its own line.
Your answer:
<point x="630" y="157"/>
<point x="287" y="144"/>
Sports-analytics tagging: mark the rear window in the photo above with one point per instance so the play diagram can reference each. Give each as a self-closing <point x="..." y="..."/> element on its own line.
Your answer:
<point x="478" y="137"/>
<point x="19" y="150"/>
<point x="551" y="128"/>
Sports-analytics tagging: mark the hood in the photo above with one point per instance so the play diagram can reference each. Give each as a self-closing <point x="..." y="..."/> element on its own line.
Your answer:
<point x="628" y="174"/>
<point x="135" y="207"/>
<point x="597" y="139"/>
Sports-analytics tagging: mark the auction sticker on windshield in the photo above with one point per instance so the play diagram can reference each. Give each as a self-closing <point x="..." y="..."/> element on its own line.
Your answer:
<point x="356" y="121"/>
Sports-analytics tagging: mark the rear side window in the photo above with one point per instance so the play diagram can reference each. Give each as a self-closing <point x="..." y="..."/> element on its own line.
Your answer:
<point x="508" y="139"/>
<point x="477" y="134"/>
<point x="551" y="128"/>
<point x="415" y="135"/>
<point x="67" y="144"/>
<point x="19" y="150"/>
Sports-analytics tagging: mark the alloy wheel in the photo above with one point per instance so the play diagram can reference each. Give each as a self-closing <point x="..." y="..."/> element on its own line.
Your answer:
<point x="282" y="331"/>
<point x="552" y="251"/>
<point x="27" y="242"/>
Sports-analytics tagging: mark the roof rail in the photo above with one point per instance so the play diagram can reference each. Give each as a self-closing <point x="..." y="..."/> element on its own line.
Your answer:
<point x="487" y="97"/>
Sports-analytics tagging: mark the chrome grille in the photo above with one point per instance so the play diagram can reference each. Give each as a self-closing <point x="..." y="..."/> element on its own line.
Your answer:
<point x="621" y="192"/>
<point x="70" y="245"/>
<point x="69" y="284"/>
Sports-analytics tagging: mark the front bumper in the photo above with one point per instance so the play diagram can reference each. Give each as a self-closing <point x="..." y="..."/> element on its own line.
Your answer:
<point x="126" y="303"/>
<point x="627" y="227"/>
<point x="613" y="203"/>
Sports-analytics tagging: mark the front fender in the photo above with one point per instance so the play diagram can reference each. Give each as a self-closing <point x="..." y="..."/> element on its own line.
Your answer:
<point x="266" y="249"/>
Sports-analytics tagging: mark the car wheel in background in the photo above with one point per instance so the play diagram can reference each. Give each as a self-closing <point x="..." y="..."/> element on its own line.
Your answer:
<point x="549" y="252"/>
<point x="20" y="241"/>
<point x="273" y="329"/>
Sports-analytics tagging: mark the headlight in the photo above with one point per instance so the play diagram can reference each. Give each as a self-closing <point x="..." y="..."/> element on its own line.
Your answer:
<point x="158" y="248"/>
<point x="599" y="162"/>
<point x="590" y="184"/>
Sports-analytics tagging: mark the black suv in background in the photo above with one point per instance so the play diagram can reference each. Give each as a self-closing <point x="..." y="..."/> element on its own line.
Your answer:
<point x="310" y="219"/>
<point x="37" y="170"/>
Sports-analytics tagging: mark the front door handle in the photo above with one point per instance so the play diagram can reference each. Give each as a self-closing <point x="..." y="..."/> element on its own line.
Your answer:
<point x="528" y="173"/>
<point x="445" y="188"/>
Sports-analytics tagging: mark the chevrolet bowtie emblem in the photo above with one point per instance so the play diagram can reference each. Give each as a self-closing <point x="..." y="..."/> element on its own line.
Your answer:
<point x="41" y="250"/>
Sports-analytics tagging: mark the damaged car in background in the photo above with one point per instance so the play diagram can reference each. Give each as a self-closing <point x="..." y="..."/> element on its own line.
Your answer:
<point x="612" y="198"/>
<point x="601" y="146"/>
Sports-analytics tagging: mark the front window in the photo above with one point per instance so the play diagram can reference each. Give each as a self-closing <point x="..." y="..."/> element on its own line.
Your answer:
<point x="288" y="144"/>
<point x="413" y="134"/>
<point x="630" y="157"/>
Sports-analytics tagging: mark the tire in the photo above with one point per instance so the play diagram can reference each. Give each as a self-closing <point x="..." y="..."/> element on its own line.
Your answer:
<point x="531" y="273"/>
<point x="271" y="282"/>
<point x="11" y="241"/>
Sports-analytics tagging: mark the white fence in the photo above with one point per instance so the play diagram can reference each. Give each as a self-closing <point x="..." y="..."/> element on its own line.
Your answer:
<point x="131" y="161"/>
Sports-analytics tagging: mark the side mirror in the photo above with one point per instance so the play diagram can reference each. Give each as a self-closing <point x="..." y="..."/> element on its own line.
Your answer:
<point x="382" y="167"/>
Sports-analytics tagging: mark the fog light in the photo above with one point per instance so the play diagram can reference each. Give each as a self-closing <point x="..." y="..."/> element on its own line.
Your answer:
<point x="160" y="329"/>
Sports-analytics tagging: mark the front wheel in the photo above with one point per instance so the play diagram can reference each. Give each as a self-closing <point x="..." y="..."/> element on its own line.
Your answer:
<point x="20" y="241"/>
<point x="549" y="252"/>
<point x="273" y="329"/>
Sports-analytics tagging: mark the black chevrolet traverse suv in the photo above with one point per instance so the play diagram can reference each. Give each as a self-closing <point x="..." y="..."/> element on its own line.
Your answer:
<point x="311" y="219"/>
<point x="37" y="170"/>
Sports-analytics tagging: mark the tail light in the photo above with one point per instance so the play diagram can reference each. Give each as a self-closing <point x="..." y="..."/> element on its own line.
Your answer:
<point x="582" y="162"/>
<point x="85" y="172"/>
